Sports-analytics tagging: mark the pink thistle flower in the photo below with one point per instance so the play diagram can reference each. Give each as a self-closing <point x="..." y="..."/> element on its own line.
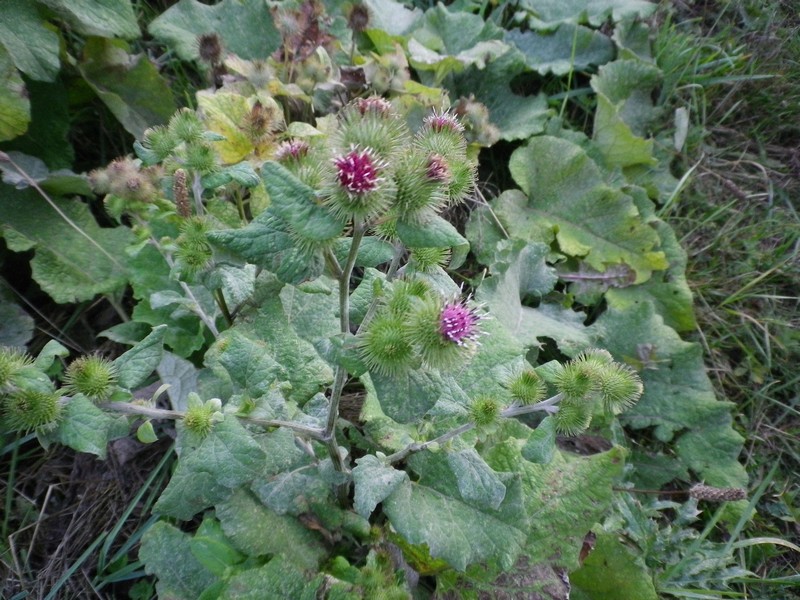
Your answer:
<point x="357" y="171"/>
<point x="295" y="149"/>
<point x="438" y="170"/>
<point x="458" y="323"/>
<point x="374" y="104"/>
<point x="444" y="121"/>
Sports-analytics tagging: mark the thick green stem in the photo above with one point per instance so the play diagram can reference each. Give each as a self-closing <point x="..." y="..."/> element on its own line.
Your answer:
<point x="329" y="435"/>
<point x="548" y="406"/>
<point x="418" y="446"/>
<point x="219" y="297"/>
<point x="399" y="250"/>
<point x="160" y="413"/>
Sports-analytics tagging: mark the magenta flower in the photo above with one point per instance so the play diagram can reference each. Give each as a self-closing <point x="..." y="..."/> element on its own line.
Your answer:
<point x="459" y="324"/>
<point x="291" y="149"/>
<point x="357" y="171"/>
<point x="374" y="104"/>
<point x="438" y="169"/>
<point x="444" y="121"/>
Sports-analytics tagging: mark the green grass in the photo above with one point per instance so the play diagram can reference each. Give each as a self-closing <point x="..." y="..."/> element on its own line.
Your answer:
<point x="737" y="71"/>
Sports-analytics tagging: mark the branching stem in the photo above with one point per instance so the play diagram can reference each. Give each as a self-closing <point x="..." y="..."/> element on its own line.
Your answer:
<point x="161" y="413"/>
<point x="548" y="406"/>
<point x="329" y="435"/>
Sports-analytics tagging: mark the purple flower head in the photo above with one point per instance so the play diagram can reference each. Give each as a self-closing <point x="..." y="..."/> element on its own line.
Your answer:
<point x="438" y="170"/>
<point x="295" y="149"/>
<point x="458" y="323"/>
<point x="444" y="121"/>
<point x="357" y="171"/>
<point x="374" y="104"/>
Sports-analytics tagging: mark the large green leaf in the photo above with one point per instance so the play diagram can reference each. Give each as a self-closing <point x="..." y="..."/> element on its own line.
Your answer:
<point x="624" y="109"/>
<point x="279" y="578"/>
<point x="274" y="326"/>
<point x="392" y="16"/>
<point x="244" y="26"/>
<point x="373" y="482"/>
<point x="247" y="361"/>
<point x="558" y="52"/>
<point x="150" y="274"/>
<point x="49" y="127"/>
<point x="408" y="396"/>
<point x="130" y="85"/>
<point x="15" y="107"/>
<point x="138" y="363"/>
<point x="225" y="459"/>
<point x="32" y="45"/>
<point x="105" y="18"/>
<point x="297" y="204"/>
<point x="668" y="290"/>
<point x="612" y="571"/>
<point x="69" y="265"/>
<point x="446" y="42"/>
<point x="569" y="202"/>
<point x="16" y="325"/>
<point x="257" y="531"/>
<point x="432" y="511"/>
<point x="274" y="341"/>
<point x="546" y="14"/>
<point x="519" y="273"/>
<point x="678" y="400"/>
<point x="86" y="428"/>
<point x="563" y="498"/>
<point x="166" y="552"/>
<point x="516" y="116"/>
<point x="267" y="242"/>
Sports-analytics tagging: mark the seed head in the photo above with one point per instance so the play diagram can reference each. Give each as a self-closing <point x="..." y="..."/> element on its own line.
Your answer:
<point x="92" y="376"/>
<point x="210" y="48"/>
<point x="484" y="410"/>
<point x="358" y="19"/>
<point x="28" y="409"/>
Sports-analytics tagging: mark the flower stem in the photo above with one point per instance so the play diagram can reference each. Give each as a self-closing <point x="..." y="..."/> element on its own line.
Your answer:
<point x="329" y="435"/>
<point x="223" y="306"/>
<point x="418" y="446"/>
<point x="160" y="413"/>
<point x="399" y="250"/>
<point x="548" y="406"/>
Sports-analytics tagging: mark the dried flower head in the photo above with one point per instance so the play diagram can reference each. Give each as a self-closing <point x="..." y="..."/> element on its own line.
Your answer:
<point x="210" y="48"/>
<point x="700" y="491"/>
<point x="358" y="19"/>
<point x="180" y="192"/>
